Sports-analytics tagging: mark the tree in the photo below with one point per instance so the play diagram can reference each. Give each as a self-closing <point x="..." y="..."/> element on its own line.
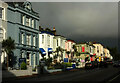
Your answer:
<point x="59" y="49"/>
<point x="48" y="30"/>
<point x="8" y="45"/>
<point x="75" y="51"/>
<point x="42" y="54"/>
<point x="114" y="52"/>
<point x="68" y="52"/>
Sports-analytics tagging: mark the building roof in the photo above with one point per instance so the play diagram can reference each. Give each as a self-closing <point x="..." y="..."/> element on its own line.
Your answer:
<point x="70" y="40"/>
<point x="46" y="32"/>
<point x="23" y="5"/>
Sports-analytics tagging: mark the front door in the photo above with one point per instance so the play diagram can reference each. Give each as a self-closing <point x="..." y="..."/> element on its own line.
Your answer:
<point x="28" y="58"/>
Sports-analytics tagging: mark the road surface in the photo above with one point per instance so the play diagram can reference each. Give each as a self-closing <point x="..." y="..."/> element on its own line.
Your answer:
<point x="95" y="75"/>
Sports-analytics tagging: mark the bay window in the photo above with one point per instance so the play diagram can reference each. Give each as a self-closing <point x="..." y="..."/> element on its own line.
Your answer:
<point x="28" y="40"/>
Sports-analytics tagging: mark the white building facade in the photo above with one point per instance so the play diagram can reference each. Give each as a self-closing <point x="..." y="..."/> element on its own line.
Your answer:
<point x="69" y="48"/>
<point x="46" y="44"/>
<point x="99" y="51"/>
<point x="107" y="53"/>
<point x="3" y="27"/>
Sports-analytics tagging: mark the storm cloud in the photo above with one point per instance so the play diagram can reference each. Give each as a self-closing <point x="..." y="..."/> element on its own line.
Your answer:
<point x="81" y="21"/>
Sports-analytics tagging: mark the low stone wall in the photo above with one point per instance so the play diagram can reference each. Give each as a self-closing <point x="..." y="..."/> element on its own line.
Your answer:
<point x="55" y="70"/>
<point x="45" y="70"/>
<point x="15" y="73"/>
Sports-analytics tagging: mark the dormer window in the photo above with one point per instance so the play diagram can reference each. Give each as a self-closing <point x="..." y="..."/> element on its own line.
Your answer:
<point x="28" y="5"/>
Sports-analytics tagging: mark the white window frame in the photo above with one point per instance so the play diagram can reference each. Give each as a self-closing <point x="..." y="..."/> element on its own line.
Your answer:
<point x="3" y="13"/>
<point x="32" y="23"/>
<point x="23" y="19"/>
<point x="28" y="39"/>
<point x="48" y="41"/>
<point x="43" y="39"/>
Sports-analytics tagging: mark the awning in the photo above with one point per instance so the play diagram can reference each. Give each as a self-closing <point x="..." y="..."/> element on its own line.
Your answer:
<point x="42" y="50"/>
<point x="50" y="50"/>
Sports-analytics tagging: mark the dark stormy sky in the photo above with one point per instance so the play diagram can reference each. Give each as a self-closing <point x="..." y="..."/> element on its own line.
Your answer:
<point x="81" y="21"/>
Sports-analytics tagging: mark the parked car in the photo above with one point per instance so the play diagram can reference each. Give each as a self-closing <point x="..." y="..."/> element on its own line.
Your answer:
<point x="103" y="64"/>
<point x="89" y="65"/>
<point x="109" y="62"/>
<point x="94" y="64"/>
<point x="116" y="64"/>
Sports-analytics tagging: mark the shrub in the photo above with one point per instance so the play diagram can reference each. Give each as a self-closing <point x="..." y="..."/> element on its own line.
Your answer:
<point x="68" y="64"/>
<point x="58" y="66"/>
<point x="23" y="66"/>
<point x="50" y="67"/>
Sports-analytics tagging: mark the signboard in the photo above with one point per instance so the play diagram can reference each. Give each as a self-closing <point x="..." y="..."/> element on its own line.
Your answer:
<point x="65" y="59"/>
<point x="22" y="60"/>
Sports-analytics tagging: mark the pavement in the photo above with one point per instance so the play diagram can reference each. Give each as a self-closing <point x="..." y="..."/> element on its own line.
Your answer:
<point x="42" y="75"/>
<point x="105" y="74"/>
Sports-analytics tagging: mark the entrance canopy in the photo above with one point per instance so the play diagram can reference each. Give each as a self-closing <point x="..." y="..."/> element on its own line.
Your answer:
<point x="50" y="50"/>
<point x="42" y="50"/>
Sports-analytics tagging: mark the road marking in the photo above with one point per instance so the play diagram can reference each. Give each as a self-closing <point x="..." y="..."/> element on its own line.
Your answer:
<point x="114" y="78"/>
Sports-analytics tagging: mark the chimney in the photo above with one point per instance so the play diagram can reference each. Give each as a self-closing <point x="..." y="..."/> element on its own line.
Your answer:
<point x="54" y="31"/>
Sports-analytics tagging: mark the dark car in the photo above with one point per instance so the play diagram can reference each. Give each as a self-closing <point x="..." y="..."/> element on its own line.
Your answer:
<point x="103" y="64"/>
<point x="109" y="62"/>
<point x="116" y="64"/>
<point x="94" y="64"/>
<point x="88" y="65"/>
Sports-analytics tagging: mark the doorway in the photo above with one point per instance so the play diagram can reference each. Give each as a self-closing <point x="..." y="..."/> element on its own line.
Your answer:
<point x="28" y="58"/>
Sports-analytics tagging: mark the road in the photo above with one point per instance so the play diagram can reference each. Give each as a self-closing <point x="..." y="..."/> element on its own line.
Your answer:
<point x="94" y="75"/>
<point x="115" y="78"/>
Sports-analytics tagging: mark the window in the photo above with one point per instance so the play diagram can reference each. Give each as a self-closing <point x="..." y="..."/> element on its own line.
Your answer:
<point x="2" y="13"/>
<point x="22" y="54"/>
<point x="27" y="21"/>
<point x="48" y="40"/>
<point x="32" y="23"/>
<point x="23" y="20"/>
<point x="36" y="41"/>
<point x="97" y="49"/>
<point x="1" y="34"/>
<point x="33" y="40"/>
<point x="68" y="45"/>
<point x="61" y="42"/>
<point x="42" y="39"/>
<point x="28" y="55"/>
<point x="57" y="42"/>
<point x="90" y="49"/>
<point x="28" y="40"/>
<point x="34" y="58"/>
<point x="83" y="49"/>
<point x="22" y="39"/>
